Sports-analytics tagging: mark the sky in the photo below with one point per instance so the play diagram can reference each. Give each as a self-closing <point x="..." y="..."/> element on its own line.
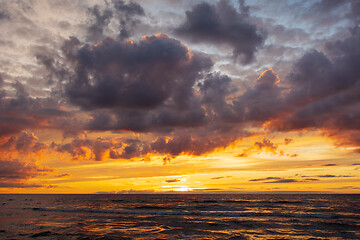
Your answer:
<point x="175" y="96"/>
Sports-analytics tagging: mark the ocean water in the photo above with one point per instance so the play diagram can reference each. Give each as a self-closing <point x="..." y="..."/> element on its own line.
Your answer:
<point x="179" y="216"/>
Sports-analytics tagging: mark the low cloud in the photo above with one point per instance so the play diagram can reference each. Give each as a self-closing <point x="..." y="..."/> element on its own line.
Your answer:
<point x="216" y="178"/>
<point x="332" y="176"/>
<point x="88" y="149"/>
<point x="63" y="175"/>
<point x="172" y="180"/>
<point x="262" y="145"/>
<point x="329" y="165"/>
<point x="282" y="180"/>
<point x="264" y="179"/>
<point x="287" y="141"/>
<point x="23" y="143"/>
<point x="14" y="173"/>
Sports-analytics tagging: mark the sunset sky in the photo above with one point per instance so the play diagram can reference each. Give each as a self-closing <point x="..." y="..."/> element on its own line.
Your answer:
<point x="179" y="96"/>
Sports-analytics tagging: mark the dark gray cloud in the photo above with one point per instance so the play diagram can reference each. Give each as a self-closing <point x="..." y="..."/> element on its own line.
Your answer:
<point x="355" y="11"/>
<point x="215" y="89"/>
<point x="262" y="102"/>
<point x="101" y="19"/>
<point x="221" y="23"/>
<point x="129" y="81"/>
<point x="4" y="15"/>
<point x="147" y="74"/>
<point x="124" y="13"/>
<point x="328" y="5"/>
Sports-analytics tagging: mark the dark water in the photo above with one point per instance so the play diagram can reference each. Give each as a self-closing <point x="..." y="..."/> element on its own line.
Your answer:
<point x="179" y="216"/>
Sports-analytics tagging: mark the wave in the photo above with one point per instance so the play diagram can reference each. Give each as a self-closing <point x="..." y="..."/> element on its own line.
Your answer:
<point x="200" y="213"/>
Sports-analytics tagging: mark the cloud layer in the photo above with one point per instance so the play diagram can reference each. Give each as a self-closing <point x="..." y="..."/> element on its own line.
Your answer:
<point x="208" y="77"/>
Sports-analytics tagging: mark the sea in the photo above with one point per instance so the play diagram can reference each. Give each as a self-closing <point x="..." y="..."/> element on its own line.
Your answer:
<point x="179" y="216"/>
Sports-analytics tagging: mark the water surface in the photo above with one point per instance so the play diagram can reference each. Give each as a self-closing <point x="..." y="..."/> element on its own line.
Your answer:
<point x="179" y="216"/>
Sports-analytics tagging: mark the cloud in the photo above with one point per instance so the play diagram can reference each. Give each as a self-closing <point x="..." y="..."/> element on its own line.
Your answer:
<point x="20" y="111"/>
<point x="264" y="179"/>
<point x="262" y="102"/>
<point x="216" y="178"/>
<point x="355" y="11"/>
<point x="63" y="175"/>
<point x="329" y="165"/>
<point x="157" y="85"/>
<point x="287" y="141"/>
<point x="126" y="13"/>
<point x="19" y="185"/>
<point x="324" y="92"/>
<point x="16" y="169"/>
<point x="123" y="13"/>
<point x="14" y="173"/>
<point x="101" y="20"/>
<point x="88" y="149"/>
<point x="183" y="142"/>
<point x="156" y="73"/>
<point x="346" y="187"/>
<point x="172" y="180"/>
<point x="221" y="23"/>
<point x="19" y="154"/>
<point x="160" y="86"/>
<point x="262" y="145"/>
<point x="333" y="176"/>
<point x="265" y="144"/>
<point x="311" y="179"/>
<point x="23" y="143"/>
<point x="282" y="180"/>
<point x="4" y="16"/>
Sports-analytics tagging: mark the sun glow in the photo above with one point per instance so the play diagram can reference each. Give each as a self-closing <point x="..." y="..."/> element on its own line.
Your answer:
<point x="181" y="189"/>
